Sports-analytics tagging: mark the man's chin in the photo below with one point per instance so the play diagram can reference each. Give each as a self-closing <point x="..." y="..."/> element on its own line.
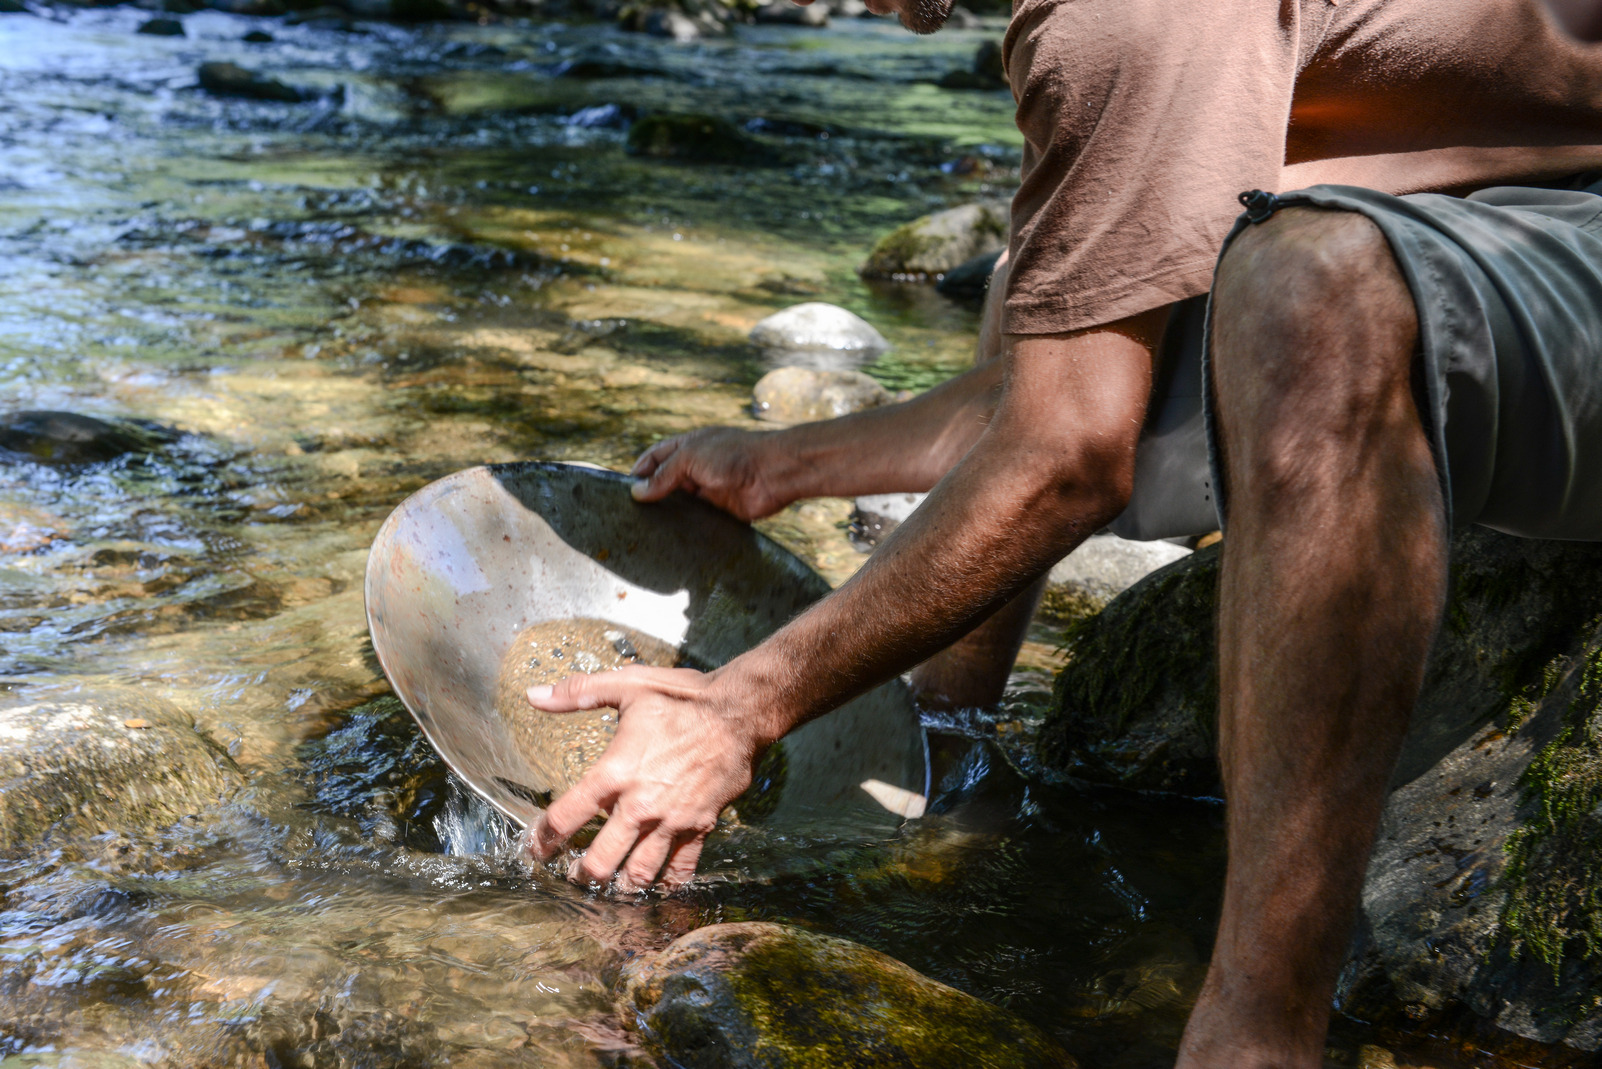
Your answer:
<point x="919" y="16"/>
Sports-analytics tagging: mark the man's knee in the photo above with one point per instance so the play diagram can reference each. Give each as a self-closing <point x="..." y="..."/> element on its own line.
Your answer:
<point x="1313" y="322"/>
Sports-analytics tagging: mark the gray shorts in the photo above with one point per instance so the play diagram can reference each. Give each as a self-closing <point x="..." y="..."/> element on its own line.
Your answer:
<point x="1508" y="286"/>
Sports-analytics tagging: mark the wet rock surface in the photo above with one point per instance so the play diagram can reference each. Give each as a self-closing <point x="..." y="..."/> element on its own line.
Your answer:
<point x="929" y="247"/>
<point x="66" y="439"/>
<point x="563" y="746"/>
<point x="732" y="996"/>
<point x="803" y="395"/>
<point x="820" y="335"/>
<point x="232" y="80"/>
<point x="162" y="28"/>
<point x="1479" y="909"/>
<point x="102" y="761"/>
<point x="695" y="139"/>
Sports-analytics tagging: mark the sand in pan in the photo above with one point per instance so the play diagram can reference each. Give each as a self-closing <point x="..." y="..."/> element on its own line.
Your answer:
<point x="562" y="746"/>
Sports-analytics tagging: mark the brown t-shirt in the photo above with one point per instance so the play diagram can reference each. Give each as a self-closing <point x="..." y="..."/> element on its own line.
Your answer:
<point x="1144" y="119"/>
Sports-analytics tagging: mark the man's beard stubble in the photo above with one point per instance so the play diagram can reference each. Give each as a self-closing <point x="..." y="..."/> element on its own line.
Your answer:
<point x="927" y="16"/>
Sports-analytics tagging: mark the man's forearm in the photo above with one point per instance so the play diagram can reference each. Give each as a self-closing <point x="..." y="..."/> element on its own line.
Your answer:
<point x="906" y="447"/>
<point x="1053" y="468"/>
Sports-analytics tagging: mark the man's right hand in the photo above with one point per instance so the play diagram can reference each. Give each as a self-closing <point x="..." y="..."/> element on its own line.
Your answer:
<point x="720" y="465"/>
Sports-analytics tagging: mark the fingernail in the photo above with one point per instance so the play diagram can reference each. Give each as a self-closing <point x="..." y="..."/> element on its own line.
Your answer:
<point x="639" y="486"/>
<point x="539" y="693"/>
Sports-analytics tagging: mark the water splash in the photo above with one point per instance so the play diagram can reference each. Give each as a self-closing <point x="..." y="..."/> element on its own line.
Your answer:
<point x="470" y="826"/>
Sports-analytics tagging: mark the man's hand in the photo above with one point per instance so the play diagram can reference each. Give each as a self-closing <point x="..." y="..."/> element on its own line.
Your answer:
<point x="677" y="759"/>
<point x="719" y="465"/>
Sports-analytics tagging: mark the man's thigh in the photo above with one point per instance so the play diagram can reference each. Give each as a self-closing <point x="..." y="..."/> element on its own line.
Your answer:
<point x="1507" y="285"/>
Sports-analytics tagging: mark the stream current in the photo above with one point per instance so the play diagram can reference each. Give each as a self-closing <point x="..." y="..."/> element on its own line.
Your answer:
<point x="428" y="265"/>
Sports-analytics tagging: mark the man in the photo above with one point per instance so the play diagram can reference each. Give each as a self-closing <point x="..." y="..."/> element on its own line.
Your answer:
<point x="1380" y="364"/>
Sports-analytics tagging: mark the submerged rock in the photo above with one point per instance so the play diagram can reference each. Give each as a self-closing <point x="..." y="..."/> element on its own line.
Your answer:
<point x="162" y="28"/>
<point x="113" y="760"/>
<point x="67" y="439"/>
<point x="258" y="37"/>
<point x="1481" y="906"/>
<point x="694" y="139"/>
<point x="730" y="996"/>
<point x="804" y="395"/>
<point x="785" y="13"/>
<point x="938" y="243"/>
<point x="814" y="326"/>
<point x="231" y="80"/>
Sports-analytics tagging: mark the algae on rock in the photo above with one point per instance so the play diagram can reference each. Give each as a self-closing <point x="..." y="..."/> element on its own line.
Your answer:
<point x="743" y="996"/>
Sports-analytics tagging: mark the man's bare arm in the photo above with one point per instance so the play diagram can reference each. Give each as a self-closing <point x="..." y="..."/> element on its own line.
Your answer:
<point x="906" y="447"/>
<point x="1053" y="466"/>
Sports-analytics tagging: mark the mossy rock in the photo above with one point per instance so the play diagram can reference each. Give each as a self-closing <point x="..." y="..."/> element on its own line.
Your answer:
<point x="695" y="139"/>
<point x="1482" y="905"/>
<point x="765" y="996"/>
<point x="106" y="760"/>
<point x="929" y="247"/>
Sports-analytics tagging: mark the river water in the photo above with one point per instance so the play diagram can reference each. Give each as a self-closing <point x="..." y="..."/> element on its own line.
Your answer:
<point x="430" y="265"/>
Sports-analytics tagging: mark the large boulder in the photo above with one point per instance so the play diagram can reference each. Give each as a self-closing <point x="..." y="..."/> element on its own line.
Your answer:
<point x="1481" y="907"/>
<point x="929" y="247"/>
<point x="744" y="996"/>
<point x="106" y="760"/>
<point x="805" y="395"/>
<point x="232" y="80"/>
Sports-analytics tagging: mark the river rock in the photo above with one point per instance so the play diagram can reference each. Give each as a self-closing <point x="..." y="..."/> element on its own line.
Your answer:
<point x="232" y="80"/>
<point x="13" y="7"/>
<point x="818" y="328"/>
<point x="805" y="395"/>
<point x="785" y="13"/>
<point x="743" y="996"/>
<point x="102" y="760"/>
<point x="1480" y="907"/>
<point x="674" y="25"/>
<point x="694" y="139"/>
<point x="935" y="244"/>
<point x="987" y="72"/>
<point x="162" y="28"/>
<point x="874" y="516"/>
<point x="970" y="280"/>
<point x="251" y="8"/>
<point x="1105" y="565"/>
<point x="66" y="439"/>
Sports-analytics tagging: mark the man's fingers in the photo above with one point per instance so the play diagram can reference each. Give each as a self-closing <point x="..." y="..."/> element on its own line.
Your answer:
<point x="670" y="474"/>
<point x="682" y="860"/>
<point x="646" y="859"/>
<point x="653" y="457"/>
<point x="565" y="816"/>
<point x="582" y="692"/>
<point x="605" y="855"/>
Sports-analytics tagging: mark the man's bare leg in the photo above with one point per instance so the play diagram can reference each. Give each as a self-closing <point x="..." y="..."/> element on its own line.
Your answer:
<point x="1334" y="577"/>
<point x="973" y="671"/>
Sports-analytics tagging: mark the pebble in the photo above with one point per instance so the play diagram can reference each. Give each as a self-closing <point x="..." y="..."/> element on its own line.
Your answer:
<point x="818" y="327"/>
<point x="805" y="395"/>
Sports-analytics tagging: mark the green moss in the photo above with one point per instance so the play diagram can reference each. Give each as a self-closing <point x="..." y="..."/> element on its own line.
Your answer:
<point x="903" y="245"/>
<point x="1067" y="605"/>
<point x="1554" y="871"/>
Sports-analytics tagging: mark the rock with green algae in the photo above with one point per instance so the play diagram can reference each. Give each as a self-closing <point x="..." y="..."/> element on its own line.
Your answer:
<point x="929" y="247"/>
<point x="1482" y="905"/>
<point x="107" y="760"/>
<point x="765" y="996"/>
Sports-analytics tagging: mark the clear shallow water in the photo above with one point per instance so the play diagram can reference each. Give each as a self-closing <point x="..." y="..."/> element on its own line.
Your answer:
<point x="338" y="301"/>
